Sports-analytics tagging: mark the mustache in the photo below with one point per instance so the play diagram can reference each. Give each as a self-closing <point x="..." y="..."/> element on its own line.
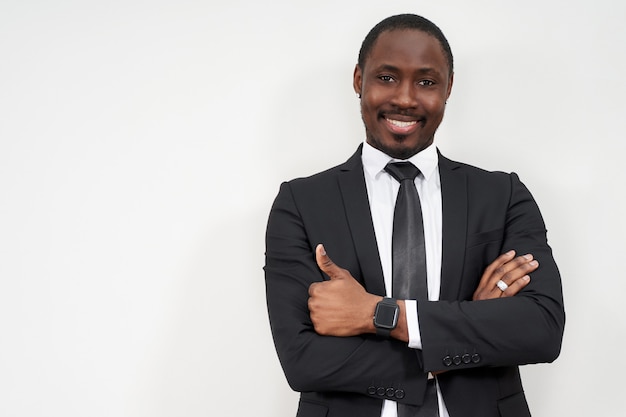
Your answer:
<point x="400" y="112"/>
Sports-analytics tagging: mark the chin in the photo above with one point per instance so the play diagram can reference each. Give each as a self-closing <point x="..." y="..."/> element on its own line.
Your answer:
<point x="400" y="152"/>
<point x="397" y="149"/>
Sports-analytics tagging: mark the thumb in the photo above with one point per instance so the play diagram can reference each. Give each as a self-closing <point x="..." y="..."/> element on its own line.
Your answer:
<point x="326" y="264"/>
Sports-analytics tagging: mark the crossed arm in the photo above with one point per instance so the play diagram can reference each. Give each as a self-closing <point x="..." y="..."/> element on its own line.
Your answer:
<point x="342" y="307"/>
<point x="323" y="330"/>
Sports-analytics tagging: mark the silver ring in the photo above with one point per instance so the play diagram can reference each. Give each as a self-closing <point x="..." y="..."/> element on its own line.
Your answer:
<point x="502" y="285"/>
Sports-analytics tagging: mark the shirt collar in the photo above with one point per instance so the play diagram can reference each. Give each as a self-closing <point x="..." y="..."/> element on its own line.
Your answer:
<point x="374" y="160"/>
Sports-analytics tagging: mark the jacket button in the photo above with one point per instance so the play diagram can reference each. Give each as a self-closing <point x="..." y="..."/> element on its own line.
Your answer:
<point x="466" y="358"/>
<point x="400" y="394"/>
<point x="456" y="360"/>
<point x="447" y="360"/>
<point x="475" y="358"/>
<point x="371" y="390"/>
<point x="380" y="391"/>
<point x="390" y="392"/>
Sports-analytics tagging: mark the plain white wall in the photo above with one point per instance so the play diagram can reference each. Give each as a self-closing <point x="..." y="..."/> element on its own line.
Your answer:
<point x="142" y="144"/>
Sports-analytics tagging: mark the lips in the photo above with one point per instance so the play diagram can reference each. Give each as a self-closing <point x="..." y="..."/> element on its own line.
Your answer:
<point x="401" y="125"/>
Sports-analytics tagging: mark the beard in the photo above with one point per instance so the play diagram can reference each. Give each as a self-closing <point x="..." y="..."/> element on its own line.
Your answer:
<point x="397" y="150"/>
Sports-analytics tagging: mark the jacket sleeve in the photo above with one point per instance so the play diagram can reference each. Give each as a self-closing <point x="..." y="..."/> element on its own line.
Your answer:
<point x="526" y="328"/>
<point x="363" y="364"/>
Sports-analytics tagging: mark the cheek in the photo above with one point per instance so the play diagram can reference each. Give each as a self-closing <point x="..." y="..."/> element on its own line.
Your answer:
<point x="373" y="98"/>
<point x="434" y="104"/>
<point x="368" y="110"/>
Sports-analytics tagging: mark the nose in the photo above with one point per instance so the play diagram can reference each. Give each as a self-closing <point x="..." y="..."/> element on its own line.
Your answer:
<point x="405" y="95"/>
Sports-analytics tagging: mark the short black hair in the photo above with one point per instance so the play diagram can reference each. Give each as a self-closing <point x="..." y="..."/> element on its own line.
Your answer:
<point x="404" y="22"/>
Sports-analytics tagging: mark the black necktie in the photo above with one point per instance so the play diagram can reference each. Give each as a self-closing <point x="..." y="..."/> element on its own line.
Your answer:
<point x="409" y="262"/>
<point x="408" y="246"/>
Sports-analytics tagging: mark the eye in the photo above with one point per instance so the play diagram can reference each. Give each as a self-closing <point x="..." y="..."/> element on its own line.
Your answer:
<point x="386" y="78"/>
<point x="426" y="83"/>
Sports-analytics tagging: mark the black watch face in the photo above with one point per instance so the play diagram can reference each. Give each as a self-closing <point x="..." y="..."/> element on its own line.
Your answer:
<point x="386" y="316"/>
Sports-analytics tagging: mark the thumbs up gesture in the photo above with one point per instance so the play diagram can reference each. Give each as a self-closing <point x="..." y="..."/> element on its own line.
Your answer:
<point x="339" y="306"/>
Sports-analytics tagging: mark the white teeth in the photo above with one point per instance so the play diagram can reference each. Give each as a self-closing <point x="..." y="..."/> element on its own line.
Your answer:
<point x="400" y="123"/>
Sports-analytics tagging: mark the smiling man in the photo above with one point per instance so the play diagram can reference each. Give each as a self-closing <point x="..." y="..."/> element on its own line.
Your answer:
<point x="403" y="88"/>
<point x="441" y="281"/>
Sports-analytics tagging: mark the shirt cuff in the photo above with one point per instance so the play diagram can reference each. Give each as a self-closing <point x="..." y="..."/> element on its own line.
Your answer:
<point x="413" y="324"/>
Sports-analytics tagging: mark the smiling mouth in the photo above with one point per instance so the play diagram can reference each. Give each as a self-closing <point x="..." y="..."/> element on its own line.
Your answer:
<point x="400" y="123"/>
<point x="401" y="127"/>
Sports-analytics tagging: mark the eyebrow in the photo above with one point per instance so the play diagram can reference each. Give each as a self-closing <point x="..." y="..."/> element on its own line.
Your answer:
<point x="423" y="70"/>
<point x="428" y="70"/>
<point x="386" y="67"/>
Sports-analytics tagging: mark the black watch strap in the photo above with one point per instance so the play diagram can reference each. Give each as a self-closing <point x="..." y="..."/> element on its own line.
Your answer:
<point x="386" y="316"/>
<point x="384" y="333"/>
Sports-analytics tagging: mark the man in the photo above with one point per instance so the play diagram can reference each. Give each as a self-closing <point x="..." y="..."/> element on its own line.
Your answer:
<point x="345" y="338"/>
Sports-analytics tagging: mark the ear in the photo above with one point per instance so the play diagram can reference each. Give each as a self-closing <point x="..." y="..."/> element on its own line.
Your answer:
<point x="450" y="82"/>
<point x="357" y="81"/>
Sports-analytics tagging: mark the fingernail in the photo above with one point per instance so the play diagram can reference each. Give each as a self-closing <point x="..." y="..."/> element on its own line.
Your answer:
<point x="528" y="256"/>
<point x="533" y="263"/>
<point x="510" y="253"/>
<point x="323" y="251"/>
<point x="526" y="278"/>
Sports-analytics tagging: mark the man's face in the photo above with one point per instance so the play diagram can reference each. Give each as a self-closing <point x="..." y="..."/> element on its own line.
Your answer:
<point x="404" y="86"/>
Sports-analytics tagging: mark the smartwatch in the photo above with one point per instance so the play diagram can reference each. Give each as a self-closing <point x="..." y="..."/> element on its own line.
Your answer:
<point x="386" y="316"/>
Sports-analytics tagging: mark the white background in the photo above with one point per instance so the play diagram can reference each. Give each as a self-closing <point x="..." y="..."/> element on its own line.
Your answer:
<point x="142" y="144"/>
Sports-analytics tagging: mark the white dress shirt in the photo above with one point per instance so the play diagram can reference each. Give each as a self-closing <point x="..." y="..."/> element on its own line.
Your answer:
<point x="382" y="190"/>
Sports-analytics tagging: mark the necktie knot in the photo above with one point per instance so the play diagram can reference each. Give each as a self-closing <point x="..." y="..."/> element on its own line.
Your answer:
<point x="402" y="171"/>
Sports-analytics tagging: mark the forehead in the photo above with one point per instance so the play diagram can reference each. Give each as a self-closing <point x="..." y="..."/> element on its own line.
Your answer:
<point x="407" y="47"/>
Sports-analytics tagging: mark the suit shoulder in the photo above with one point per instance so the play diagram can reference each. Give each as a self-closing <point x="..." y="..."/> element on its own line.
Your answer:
<point x="323" y="185"/>
<point x="482" y="183"/>
<point x="328" y="176"/>
<point x="475" y="173"/>
<point x="471" y="169"/>
<point x="321" y="177"/>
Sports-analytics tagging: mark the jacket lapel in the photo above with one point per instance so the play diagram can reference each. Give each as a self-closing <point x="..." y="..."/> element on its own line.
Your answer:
<point x="354" y="193"/>
<point x="454" y="233"/>
<point x="454" y="206"/>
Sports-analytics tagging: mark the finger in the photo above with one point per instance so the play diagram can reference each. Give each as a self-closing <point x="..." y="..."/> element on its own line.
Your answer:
<point x="486" y="281"/>
<point x="509" y="266"/>
<point x="499" y="262"/>
<point x="515" y="269"/>
<point x="516" y="286"/>
<point x="326" y="264"/>
<point x="509" y="271"/>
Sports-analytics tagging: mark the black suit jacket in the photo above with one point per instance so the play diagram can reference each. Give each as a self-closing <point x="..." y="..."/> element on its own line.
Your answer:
<point x="479" y="343"/>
